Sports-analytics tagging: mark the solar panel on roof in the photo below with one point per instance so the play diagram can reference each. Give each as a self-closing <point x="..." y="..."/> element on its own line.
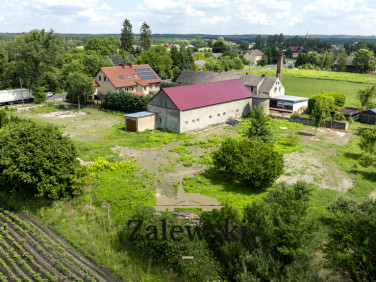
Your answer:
<point x="145" y="73"/>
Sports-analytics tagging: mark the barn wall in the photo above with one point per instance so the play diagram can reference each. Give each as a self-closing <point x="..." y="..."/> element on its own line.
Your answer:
<point x="265" y="103"/>
<point x="206" y="116"/>
<point x="167" y="119"/>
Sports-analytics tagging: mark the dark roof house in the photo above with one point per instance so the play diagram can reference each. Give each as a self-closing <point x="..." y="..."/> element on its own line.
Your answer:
<point x="349" y="64"/>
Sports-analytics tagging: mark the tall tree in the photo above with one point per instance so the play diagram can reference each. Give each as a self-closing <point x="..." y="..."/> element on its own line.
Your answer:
<point x="364" y="60"/>
<point x="259" y="42"/>
<point x="259" y="125"/>
<point x="36" y="52"/>
<point x="320" y="112"/>
<point x="365" y="96"/>
<point x="145" y="33"/>
<point x="126" y="37"/>
<point x="342" y="59"/>
<point x="78" y="86"/>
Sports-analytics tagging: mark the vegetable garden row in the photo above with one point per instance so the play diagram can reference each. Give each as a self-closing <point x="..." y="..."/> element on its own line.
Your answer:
<point x="29" y="253"/>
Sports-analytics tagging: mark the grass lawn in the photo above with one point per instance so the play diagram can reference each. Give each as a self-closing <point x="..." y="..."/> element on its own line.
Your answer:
<point x="306" y="87"/>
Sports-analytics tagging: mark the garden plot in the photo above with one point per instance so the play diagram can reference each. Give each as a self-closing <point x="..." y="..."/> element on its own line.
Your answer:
<point x="29" y="252"/>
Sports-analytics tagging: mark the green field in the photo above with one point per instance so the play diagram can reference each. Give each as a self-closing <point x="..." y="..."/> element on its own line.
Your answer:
<point x="306" y="83"/>
<point x="306" y="87"/>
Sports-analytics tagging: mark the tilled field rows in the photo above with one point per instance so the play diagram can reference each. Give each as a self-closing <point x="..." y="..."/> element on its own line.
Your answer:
<point x="31" y="253"/>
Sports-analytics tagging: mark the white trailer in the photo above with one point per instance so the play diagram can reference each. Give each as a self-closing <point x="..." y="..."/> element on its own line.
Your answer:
<point x="14" y="96"/>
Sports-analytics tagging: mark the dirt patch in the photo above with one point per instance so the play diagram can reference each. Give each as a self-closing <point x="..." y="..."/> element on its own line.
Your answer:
<point x="373" y="195"/>
<point x="63" y="114"/>
<point x="314" y="167"/>
<point x="325" y="135"/>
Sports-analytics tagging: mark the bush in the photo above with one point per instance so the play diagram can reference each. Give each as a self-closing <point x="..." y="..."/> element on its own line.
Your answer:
<point x="339" y="116"/>
<point x="126" y="102"/>
<point x="296" y="115"/>
<point x="336" y="100"/>
<point x="36" y="159"/>
<point x="151" y="247"/>
<point x="254" y="162"/>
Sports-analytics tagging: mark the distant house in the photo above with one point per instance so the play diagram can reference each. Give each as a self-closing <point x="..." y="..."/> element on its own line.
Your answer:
<point x="291" y="103"/>
<point x="253" y="56"/>
<point x="348" y="112"/>
<point x="200" y="64"/>
<point x="349" y="64"/>
<point x="271" y="86"/>
<point x="117" y="60"/>
<point x="137" y="79"/>
<point x="191" y="107"/>
<point x="296" y="49"/>
<point x="217" y="55"/>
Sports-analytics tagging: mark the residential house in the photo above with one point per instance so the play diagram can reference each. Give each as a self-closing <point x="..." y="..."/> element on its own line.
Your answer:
<point x="296" y="49"/>
<point x="271" y="86"/>
<point x="137" y="79"/>
<point x="191" y="107"/>
<point x="253" y="56"/>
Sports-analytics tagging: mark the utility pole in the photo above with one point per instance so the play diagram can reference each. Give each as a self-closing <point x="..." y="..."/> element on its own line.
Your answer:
<point x="21" y="92"/>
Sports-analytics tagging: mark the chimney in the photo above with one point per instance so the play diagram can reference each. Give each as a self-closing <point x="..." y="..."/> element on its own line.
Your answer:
<point x="122" y="65"/>
<point x="280" y="67"/>
<point x="129" y="65"/>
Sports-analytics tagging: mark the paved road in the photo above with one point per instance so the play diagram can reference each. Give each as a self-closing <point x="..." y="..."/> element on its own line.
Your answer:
<point x="260" y="68"/>
<point x="56" y="97"/>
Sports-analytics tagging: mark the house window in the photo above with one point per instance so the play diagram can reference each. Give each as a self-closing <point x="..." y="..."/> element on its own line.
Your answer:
<point x="219" y="115"/>
<point x="131" y="88"/>
<point x="186" y="122"/>
<point x="99" y="78"/>
<point x="237" y="110"/>
<point x="279" y="89"/>
<point x="135" y="76"/>
<point x="160" y="120"/>
<point x="122" y="77"/>
<point x="104" y="78"/>
<point x="165" y="104"/>
<point x="128" y="76"/>
<point x="161" y="103"/>
<point x="126" y="89"/>
<point x="210" y="116"/>
<point x="224" y="113"/>
<point x="198" y="120"/>
<point x="193" y="121"/>
<point x="156" y="85"/>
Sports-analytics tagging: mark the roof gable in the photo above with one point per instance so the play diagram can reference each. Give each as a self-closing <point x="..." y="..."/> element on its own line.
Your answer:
<point x="123" y="76"/>
<point x="205" y="94"/>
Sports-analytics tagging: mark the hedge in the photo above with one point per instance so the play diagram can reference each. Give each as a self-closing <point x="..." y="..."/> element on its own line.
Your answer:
<point x="126" y="102"/>
<point x="336" y="100"/>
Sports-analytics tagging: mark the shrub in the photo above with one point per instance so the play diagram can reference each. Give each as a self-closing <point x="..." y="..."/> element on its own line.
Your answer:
<point x="125" y="102"/>
<point x="336" y="100"/>
<point x="254" y="162"/>
<point x="36" y="159"/>
<point x="339" y="116"/>
<point x="296" y="115"/>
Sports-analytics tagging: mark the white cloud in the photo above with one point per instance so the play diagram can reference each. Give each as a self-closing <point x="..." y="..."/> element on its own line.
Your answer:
<point x="105" y="7"/>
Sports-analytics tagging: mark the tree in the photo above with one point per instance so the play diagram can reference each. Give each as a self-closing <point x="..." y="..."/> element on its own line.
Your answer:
<point x="351" y="245"/>
<point x="259" y="42"/>
<point x="126" y="37"/>
<point x="313" y="58"/>
<point x="327" y="60"/>
<point x="365" y="96"/>
<point x="244" y="45"/>
<point x="253" y="162"/>
<point x="35" y="53"/>
<point x="281" y="237"/>
<point x="106" y="46"/>
<point x="159" y="59"/>
<point x="38" y="95"/>
<point x="145" y="36"/>
<point x="342" y="59"/>
<point x="36" y="159"/>
<point x="219" y="47"/>
<point x="259" y="128"/>
<point x="301" y="59"/>
<point x="368" y="145"/>
<point x="79" y="87"/>
<point x="289" y="53"/>
<point x="364" y="60"/>
<point x="320" y="112"/>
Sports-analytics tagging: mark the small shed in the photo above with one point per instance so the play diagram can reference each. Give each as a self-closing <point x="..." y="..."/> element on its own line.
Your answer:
<point x="292" y="103"/>
<point x="348" y="112"/>
<point x="368" y="116"/>
<point x="140" y="121"/>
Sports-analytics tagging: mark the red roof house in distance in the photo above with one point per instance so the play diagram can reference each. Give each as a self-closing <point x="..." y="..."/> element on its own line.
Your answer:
<point x="191" y="107"/>
<point x="137" y="79"/>
<point x="296" y="49"/>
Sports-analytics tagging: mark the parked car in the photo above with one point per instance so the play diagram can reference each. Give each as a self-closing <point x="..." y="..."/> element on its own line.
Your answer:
<point x="49" y="94"/>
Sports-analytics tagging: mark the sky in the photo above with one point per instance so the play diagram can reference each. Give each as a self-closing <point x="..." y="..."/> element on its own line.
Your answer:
<point x="290" y="17"/>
